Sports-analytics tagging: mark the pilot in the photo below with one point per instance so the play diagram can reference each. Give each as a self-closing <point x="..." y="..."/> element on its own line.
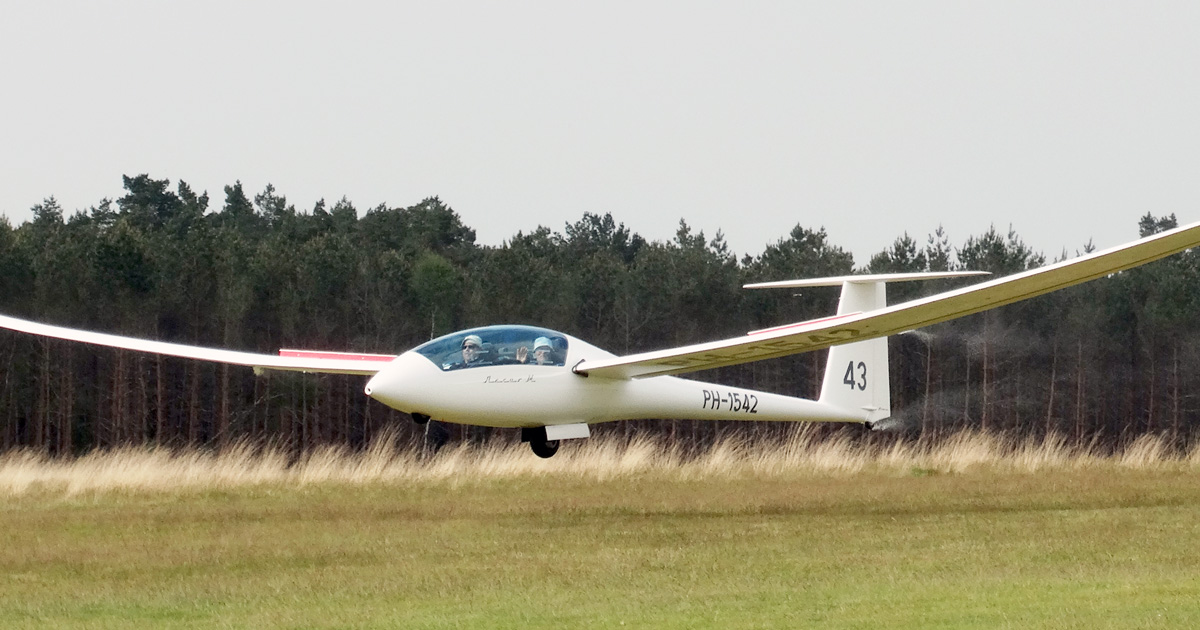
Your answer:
<point x="472" y="353"/>
<point x="472" y="348"/>
<point x="543" y="352"/>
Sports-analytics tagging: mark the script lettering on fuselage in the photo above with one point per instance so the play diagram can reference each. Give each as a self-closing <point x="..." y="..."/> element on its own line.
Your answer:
<point x="492" y="380"/>
<point x="718" y="399"/>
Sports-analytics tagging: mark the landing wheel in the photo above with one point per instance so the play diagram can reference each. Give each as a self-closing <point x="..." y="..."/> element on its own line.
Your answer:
<point x="544" y="448"/>
<point x="536" y="436"/>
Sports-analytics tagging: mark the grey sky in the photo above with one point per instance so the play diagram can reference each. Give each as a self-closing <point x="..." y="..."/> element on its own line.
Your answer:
<point x="1067" y="120"/>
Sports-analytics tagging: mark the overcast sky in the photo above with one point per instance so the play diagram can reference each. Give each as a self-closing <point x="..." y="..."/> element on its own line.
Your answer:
<point x="1065" y="120"/>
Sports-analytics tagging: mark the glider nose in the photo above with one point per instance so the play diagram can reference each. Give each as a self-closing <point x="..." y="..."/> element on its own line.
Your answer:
<point x="398" y="384"/>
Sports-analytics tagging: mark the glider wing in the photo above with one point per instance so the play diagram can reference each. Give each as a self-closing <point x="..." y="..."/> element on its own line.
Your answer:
<point x="292" y="360"/>
<point x="823" y="333"/>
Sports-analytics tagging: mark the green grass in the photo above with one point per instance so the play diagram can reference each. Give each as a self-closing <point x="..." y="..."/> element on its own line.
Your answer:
<point x="1102" y="546"/>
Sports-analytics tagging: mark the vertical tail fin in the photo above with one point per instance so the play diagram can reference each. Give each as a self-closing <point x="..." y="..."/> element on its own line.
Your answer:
<point x="856" y="374"/>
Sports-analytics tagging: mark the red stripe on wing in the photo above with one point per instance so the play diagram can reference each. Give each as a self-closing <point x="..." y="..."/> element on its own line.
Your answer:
<point x="344" y="356"/>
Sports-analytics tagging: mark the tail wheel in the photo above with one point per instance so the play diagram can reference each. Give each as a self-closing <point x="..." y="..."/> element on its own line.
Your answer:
<point x="544" y="448"/>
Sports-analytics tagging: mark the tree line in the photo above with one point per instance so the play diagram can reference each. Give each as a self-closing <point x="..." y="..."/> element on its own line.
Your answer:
<point x="1107" y="360"/>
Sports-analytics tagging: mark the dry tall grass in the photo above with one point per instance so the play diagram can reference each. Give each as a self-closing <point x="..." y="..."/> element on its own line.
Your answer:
<point x="803" y="454"/>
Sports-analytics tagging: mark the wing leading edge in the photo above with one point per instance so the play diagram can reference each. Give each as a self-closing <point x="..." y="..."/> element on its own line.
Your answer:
<point x="820" y="334"/>
<point x="297" y="361"/>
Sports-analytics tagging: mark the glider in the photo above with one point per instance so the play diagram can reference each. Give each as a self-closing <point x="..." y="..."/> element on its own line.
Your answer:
<point x="552" y="386"/>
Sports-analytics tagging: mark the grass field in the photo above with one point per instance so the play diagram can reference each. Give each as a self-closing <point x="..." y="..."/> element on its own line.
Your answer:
<point x="974" y="533"/>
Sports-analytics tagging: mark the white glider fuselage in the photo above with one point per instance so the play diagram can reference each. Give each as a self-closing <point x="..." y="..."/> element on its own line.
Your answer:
<point x="531" y="395"/>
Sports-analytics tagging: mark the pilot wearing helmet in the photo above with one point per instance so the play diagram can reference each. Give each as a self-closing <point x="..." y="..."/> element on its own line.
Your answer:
<point x="543" y="352"/>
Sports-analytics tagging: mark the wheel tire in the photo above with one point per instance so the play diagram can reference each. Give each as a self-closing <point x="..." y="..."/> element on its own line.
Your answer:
<point x="544" y="448"/>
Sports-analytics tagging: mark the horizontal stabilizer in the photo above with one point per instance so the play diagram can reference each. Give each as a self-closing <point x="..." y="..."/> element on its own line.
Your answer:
<point x="837" y="281"/>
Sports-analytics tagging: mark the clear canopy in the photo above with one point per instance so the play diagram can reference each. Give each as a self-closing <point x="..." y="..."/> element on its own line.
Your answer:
<point x="496" y="345"/>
